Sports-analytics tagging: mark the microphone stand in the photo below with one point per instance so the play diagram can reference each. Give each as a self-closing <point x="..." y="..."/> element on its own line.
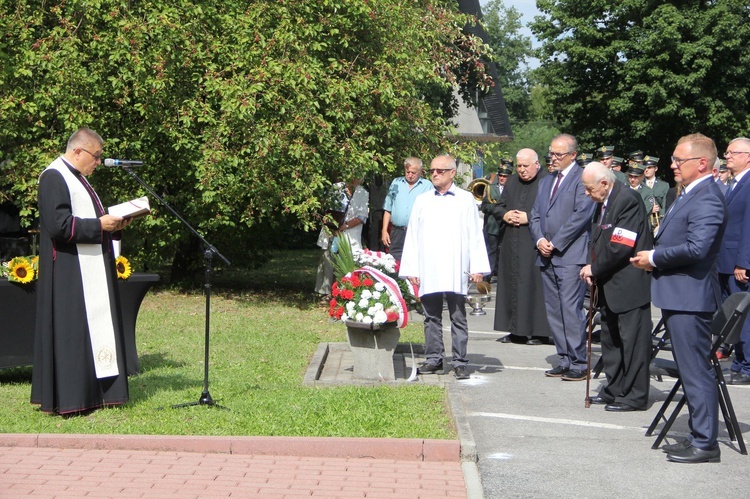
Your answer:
<point x="208" y="253"/>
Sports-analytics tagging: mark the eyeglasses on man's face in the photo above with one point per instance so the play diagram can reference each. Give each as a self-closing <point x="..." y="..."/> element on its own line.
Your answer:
<point x="439" y="171"/>
<point x="97" y="157"/>
<point x="729" y="154"/>
<point x="680" y="161"/>
<point x="557" y="155"/>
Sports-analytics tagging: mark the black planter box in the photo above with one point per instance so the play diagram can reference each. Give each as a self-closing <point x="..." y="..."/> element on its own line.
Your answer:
<point x="18" y="312"/>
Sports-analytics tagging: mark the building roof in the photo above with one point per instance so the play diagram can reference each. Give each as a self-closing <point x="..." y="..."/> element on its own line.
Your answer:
<point x="493" y="104"/>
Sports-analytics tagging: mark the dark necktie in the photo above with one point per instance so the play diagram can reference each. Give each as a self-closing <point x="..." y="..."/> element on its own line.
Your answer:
<point x="732" y="183"/>
<point x="557" y="184"/>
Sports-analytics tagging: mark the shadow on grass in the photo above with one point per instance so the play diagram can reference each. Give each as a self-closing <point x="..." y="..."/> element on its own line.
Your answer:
<point x="288" y="277"/>
<point x="152" y="361"/>
<point x="157" y="375"/>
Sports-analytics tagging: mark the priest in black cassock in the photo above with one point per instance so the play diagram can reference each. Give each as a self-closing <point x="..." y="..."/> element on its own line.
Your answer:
<point x="519" y="306"/>
<point x="79" y="358"/>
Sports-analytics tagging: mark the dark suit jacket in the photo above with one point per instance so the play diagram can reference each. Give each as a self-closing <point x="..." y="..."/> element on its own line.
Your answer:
<point x="735" y="247"/>
<point x="625" y="287"/>
<point x="566" y="221"/>
<point x="686" y="248"/>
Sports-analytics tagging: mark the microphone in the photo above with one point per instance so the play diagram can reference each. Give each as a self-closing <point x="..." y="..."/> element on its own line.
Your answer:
<point x="127" y="163"/>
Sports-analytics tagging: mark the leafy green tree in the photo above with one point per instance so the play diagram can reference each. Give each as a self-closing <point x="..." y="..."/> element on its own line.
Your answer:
<point x="639" y="74"/>
<point x="244" y="112"/>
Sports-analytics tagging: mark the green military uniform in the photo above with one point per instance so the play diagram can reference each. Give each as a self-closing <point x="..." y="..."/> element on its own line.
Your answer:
<point x="493" y="231"/>
<point x="605" y="152"/>
<point x="636" y="170"/>
<point x="660" y="187"/>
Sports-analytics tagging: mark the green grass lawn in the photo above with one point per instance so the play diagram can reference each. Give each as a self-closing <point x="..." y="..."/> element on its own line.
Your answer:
<point x="265" y="326"/>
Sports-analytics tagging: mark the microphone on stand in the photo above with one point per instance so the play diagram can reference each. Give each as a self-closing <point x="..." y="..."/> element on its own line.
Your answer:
<point x="126" y="163"/>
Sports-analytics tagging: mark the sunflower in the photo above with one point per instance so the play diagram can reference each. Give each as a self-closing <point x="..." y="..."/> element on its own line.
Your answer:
<point x="123" y="267"/>
<point x="20" y="270"/>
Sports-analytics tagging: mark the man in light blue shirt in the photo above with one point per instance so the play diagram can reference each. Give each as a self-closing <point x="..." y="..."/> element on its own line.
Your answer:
<point x="398" y="204"/>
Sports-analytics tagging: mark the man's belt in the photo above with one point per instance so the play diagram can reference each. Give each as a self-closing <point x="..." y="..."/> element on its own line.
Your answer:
<point x="397" y="227"/>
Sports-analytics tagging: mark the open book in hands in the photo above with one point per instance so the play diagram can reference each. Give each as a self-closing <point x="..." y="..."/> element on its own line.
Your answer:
<point x="131" y="209"/>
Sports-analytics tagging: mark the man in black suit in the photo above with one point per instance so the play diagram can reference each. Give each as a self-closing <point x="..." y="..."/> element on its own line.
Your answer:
<point x="618" y="231"/>
<point x="685" y="286"/>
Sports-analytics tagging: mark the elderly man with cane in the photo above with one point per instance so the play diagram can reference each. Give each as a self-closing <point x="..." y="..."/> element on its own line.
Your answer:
<point x="619" y="229"/>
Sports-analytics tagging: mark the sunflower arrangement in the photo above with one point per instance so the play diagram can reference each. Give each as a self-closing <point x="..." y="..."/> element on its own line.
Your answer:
<point x="123" y="267"/>
<point x="21" y="269"/>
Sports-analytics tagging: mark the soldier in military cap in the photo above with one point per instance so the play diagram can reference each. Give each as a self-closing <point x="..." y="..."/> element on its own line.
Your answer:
<point x="635" y="178"/>
<point x="584" y="159"/>
<point x="617" y="163"/>
<point x="659" y="186"/>
<point x="606" y="156"/>
<point x="724" y="174"/>
<point x="493" y="231"/>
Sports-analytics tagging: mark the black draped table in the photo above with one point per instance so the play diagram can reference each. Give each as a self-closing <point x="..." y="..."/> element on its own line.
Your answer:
<point x="18" y="317"/>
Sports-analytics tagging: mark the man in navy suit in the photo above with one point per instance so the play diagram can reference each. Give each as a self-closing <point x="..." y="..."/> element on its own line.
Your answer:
<point x="560" y="224"/>
<point x="620" y="229"/>
<point x="685" y="286"/>
<point x="734" y="257"/>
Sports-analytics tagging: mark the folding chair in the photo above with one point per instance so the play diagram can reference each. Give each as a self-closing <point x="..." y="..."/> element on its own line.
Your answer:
<point x="725" y="328"/>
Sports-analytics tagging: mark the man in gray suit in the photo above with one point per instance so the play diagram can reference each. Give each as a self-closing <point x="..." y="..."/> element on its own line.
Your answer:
<point x="685" y="286"/>
<point x="560" y="224"/>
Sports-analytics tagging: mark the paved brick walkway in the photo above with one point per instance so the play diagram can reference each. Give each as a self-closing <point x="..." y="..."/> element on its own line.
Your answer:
<point x="103" y="468"/>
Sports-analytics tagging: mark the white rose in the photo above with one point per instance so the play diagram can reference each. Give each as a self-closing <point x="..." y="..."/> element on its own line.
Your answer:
<point x="380" y="317"/>
<point x="359" y="316"/>
<point x="379" y="286"/>
<point x="363" y="303"/>
<point x="366" y="294"/>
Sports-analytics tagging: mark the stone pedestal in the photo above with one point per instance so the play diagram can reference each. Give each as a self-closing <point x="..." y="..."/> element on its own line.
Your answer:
<point x="372" y="348"/>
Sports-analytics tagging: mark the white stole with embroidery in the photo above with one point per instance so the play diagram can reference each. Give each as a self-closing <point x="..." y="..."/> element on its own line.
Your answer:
<point x="94" y="278"/>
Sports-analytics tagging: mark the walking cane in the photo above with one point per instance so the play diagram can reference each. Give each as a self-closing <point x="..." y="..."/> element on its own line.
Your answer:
<point x="592" y="301"/>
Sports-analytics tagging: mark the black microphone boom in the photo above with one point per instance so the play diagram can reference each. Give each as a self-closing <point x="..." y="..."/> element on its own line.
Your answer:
<point x="127" y="163"/>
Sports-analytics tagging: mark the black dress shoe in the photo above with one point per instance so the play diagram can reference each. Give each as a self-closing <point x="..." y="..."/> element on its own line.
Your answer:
<point x="695" y="455"/>
<point x="619" y="407"/>
<point x="533" y="341"/>
<point x="506" y="339"/>
<point x="677" y="446"/>
<point x="430" y="368"/>
<point x="740" y="379"/>
<point x="574" y="375"/>
<point x="556" y="372"/>
<point x="460" y="372"/>
<point x="598" y="400"/>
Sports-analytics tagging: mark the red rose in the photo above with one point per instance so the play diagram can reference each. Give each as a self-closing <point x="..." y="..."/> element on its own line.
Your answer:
<point x="347" y="294"/>
<point x="355" y="281"/>
<point x="368" y="282"/>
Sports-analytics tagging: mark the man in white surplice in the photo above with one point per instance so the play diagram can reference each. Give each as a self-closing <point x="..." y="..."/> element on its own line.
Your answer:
<point x="444" y="249"/>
